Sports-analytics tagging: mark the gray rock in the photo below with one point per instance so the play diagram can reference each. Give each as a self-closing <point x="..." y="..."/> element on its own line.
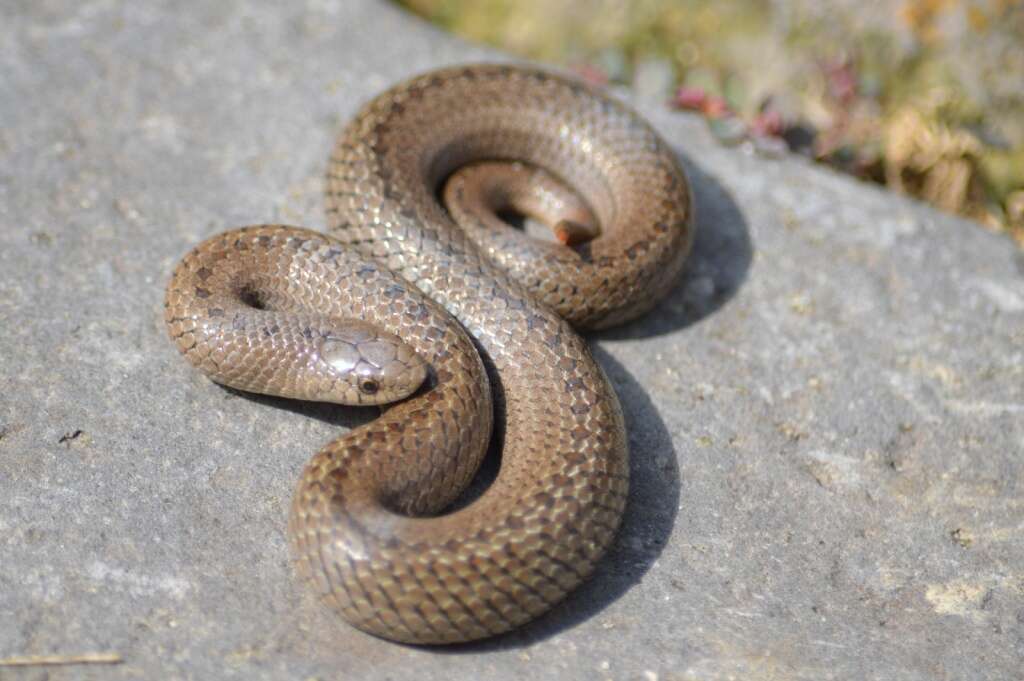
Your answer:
<point x="654" y="78"/>
<point x="826" y="417"/>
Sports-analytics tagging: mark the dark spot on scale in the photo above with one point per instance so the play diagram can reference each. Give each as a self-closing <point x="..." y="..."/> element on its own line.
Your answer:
<point x="307" y="333"/>
<point x="633" y="251"/>
<point x="514" y="522"/>
<point x="535" y="321"/>
<point x="204" y="273"/>
<point x="202" y="292"/>
<point x="500" y="294"/>
<point x="215" y="312"/>
<point x="264" y="241"/>
<point x="240" y="245"/>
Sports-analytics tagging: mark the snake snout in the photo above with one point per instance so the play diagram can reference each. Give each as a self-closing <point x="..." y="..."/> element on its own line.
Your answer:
<point x="372" y="367"/>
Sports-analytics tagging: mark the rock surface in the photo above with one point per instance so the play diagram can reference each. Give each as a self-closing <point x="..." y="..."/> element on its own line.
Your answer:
<point x="826" y="417"/>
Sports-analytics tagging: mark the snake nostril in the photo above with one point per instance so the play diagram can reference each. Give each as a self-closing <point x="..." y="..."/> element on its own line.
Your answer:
<point x="369" y="386"/>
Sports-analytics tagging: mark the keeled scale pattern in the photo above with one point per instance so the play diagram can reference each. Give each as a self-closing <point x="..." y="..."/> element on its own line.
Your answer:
<point x="250" y="307"/>
<point x="559" y="496"/>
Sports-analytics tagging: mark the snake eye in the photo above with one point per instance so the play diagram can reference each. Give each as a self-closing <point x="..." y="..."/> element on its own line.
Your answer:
<point x="369" y="386"/>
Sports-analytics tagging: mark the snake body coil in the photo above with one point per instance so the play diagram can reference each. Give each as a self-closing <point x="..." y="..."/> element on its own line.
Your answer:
<point x="363" y="318"/>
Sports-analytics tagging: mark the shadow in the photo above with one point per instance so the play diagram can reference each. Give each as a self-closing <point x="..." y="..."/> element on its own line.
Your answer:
<point x="331" y="414"/>
<point x="650" y="514"/>
<point x="714" y="271"/>
<point x="651" y="510"/>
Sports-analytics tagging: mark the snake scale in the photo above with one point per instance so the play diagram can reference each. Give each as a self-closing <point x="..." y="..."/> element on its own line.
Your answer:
<point x="421" y="189"/>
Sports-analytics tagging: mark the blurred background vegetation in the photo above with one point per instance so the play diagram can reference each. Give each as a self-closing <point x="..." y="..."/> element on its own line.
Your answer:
<point x="924" y="96"/>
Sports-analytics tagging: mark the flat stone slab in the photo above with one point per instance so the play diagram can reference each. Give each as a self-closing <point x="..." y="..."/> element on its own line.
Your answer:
<point x="826" y="417"/>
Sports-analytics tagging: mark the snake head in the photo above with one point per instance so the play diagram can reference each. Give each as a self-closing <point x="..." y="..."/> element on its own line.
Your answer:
<point x="370" y="366"/>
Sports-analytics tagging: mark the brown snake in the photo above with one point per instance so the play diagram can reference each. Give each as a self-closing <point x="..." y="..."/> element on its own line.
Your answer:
<point x="363" y="317"/>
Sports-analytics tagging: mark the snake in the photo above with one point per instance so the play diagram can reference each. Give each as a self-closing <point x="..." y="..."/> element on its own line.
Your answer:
<point x="428" y="298"/>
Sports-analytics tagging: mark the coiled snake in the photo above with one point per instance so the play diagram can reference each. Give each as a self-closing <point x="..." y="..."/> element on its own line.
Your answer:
<point x="365" y="316"/>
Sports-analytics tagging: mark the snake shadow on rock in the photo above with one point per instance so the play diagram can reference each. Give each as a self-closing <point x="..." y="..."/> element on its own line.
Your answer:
<point x="715" y="270"/>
